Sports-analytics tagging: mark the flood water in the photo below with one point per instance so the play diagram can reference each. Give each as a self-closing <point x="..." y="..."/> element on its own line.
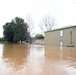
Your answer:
<point x="21" y="59"/>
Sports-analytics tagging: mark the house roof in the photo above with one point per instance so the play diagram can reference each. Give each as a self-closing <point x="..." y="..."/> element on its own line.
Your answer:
<point x="65" y="27"/>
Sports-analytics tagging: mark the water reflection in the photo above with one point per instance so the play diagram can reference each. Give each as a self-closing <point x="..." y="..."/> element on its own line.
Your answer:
<point x="52" y="53"/>
<point x="64" y="56"/>
<point x="1" y="50"/>
<point x="35" y="60"/>
<point x="58" y="53"/>
<point x="15" y="55"/>
<point x="36" y="51"/>
<point x="21" y="59"/>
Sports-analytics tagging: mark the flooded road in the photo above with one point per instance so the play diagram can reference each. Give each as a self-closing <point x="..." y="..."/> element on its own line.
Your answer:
<point x="21" y="59"/>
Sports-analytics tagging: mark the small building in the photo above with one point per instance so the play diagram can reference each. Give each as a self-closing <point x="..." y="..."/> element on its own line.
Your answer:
<point x="61" y="37"/>
<point x="37" y="41"/>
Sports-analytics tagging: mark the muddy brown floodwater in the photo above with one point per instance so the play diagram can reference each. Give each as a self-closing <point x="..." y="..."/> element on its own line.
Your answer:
<point x="21" y="59"/>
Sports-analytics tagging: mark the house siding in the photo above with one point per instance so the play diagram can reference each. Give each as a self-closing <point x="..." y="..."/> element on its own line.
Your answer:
<point x="53" y="37"/>
<point x="66" y="38"/>
<point x="74" y="36"/>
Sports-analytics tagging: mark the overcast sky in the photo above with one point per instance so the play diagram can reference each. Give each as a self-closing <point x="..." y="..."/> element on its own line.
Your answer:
<point x="64" y="11"/>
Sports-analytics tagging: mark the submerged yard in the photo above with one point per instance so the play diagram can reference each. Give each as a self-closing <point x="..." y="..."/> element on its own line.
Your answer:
<point x="21" y="59"/>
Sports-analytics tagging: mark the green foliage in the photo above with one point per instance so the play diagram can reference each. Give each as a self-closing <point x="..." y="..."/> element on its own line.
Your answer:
<point x="2" y="39"/>
<point x="16" y="30"/>
<point x="39" y="36"/>
<point x="8" y="32"/>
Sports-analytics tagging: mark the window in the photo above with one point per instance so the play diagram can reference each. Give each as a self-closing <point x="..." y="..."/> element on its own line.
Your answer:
<point x="61" y="32"/>
<point x="61" y="43"/>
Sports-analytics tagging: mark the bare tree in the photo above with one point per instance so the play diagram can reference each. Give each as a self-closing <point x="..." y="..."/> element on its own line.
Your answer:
<point x="48" y="22"/>
<point x="42" y="28"/>
<point x="30" y="23"/>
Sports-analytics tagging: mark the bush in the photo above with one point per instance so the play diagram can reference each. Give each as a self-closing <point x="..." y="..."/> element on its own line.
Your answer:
<point x="39" y="36"/>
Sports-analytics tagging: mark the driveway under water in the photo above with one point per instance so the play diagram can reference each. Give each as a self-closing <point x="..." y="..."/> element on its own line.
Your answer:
<point x="21" y="59"/>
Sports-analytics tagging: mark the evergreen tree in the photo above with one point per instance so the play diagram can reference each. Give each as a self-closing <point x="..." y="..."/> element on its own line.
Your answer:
<point x="16" y="30"/>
